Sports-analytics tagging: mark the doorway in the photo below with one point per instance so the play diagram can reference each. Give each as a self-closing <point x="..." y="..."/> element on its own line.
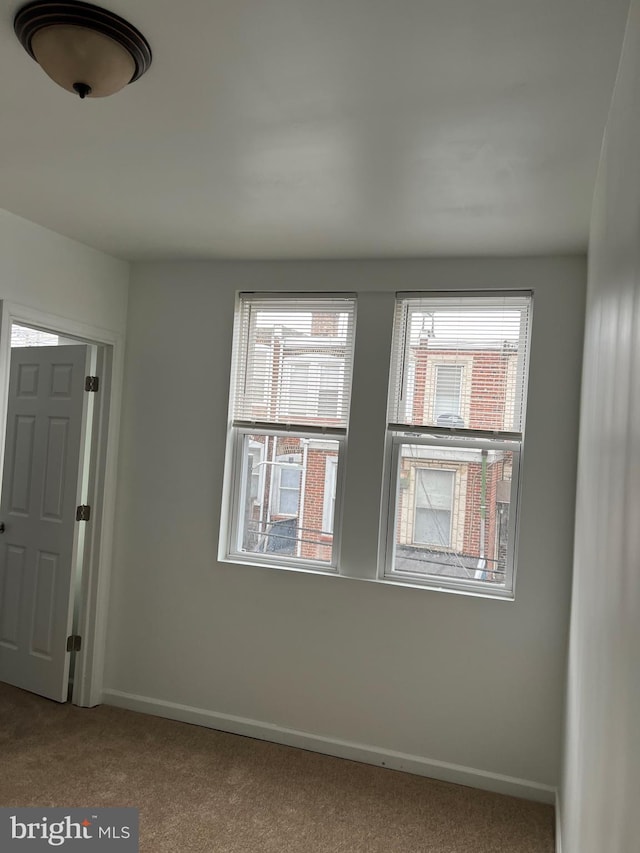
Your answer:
<point x="56" y="380"/>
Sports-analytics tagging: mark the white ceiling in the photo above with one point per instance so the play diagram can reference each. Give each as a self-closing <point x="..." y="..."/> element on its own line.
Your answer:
<point x="323" y="128"/>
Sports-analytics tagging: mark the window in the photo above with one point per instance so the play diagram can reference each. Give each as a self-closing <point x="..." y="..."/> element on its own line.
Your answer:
<point x="288" y="474"/>
<point x="433" y="507"/>
<point x="312" y="386"/>
<point x="330" y="483"/>
<point x="439" y="508"/>
<point x="255" y="470"/>
<point x="456" y="414"/>
<point x="448" y="392"/>
<point x="329" y="388"/>
<point x="292" y="367"/>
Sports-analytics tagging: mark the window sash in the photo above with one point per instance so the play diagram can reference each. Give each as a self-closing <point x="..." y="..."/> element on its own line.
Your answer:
<point x="234" y="549"/>
<point x="478" y="587"/>
<point x="292" y="357"/>
<point x="450" y="329"/>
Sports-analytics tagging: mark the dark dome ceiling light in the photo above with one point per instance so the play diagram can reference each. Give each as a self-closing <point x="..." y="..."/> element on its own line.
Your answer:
<point x="85" y="49"/>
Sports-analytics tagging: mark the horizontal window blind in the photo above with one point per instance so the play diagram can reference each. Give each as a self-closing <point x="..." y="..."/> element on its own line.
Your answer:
<point x="293" y="361"/>
<point x="460" y="361"/>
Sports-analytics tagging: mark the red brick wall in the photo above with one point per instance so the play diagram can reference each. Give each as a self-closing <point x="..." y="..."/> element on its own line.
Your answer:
<point x="320" y="546"/>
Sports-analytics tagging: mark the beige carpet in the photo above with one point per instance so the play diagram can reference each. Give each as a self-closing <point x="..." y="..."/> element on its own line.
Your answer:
<point x="202" y="791"/>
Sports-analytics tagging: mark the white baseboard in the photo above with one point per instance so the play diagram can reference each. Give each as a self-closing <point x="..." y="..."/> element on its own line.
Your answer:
<point x="441" y="770"/>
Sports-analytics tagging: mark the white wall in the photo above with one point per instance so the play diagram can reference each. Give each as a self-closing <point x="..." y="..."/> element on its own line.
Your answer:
<point x="436" y="676"/>
<point x="43" y="270"/>
<point x="601" y="784"/>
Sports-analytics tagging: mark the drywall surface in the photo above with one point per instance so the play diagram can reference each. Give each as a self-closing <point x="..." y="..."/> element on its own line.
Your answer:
<point x="437" y="676"/>
<point x="53" y="274"/>
<point x="601" y="777"/>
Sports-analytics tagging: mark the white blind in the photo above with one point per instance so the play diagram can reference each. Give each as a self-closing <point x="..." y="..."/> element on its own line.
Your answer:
<point x="293" y="360"/>
<point x="460" y="361"/>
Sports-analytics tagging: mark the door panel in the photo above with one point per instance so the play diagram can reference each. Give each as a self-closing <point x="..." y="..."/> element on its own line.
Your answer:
<point x="11" y="578"/>
<point x="45" y="418"/>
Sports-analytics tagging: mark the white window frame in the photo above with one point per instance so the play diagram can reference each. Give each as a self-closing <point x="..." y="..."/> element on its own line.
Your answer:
<point x="454" y="439"/>
<point x="439" y="439"/>
<point x="233" y="547"/>
<point x="368" y="563"/>
<point x="232" y="522"/>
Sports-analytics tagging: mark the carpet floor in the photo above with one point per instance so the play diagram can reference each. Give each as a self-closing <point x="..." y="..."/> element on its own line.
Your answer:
<point x="203" y="791"/>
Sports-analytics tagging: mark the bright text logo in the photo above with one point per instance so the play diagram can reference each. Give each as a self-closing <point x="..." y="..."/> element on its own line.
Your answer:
<point x="23" y="830"/>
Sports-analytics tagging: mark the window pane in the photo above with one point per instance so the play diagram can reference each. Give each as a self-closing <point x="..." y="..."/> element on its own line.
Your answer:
<point x="433" y="506"/>
<point x="460" y="362"/>
<point x="452" y="513"/>
<point x="293" y="360"/>
<point x="433" y="526"/>
<point x="284" y="515"/>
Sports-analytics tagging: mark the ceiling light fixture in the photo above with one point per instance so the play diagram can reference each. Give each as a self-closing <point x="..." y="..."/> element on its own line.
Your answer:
<point x="85" y="49"/>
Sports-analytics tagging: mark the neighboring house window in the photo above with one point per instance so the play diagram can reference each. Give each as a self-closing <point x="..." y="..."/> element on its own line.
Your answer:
<point x="292" y="366"/>
<point x="456" y="416"/>
<point x="329" y="388"/>
<point x="448" y="393"/>
<point x="330" y="482"/>
<point x="255" y="471"/>
<point x="259" y="378"/>
<point x="313" y="386"/>
<point x="287" y="477"/>
<point x="433" y="507"/>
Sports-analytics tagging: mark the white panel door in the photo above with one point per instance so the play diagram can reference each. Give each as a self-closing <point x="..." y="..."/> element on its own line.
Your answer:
<point x="45" y="419"/>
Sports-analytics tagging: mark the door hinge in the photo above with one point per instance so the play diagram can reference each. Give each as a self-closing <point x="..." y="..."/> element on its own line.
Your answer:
<point x="74" y="643"/>
<point x="83" y="513"/>
<point x="92" y="383"/>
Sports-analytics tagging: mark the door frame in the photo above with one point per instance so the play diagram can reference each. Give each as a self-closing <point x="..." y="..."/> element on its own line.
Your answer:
<point x="97" y="558"/>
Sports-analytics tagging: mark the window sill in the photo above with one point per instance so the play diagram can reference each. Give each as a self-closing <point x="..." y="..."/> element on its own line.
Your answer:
<point x="403" y="583"/>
